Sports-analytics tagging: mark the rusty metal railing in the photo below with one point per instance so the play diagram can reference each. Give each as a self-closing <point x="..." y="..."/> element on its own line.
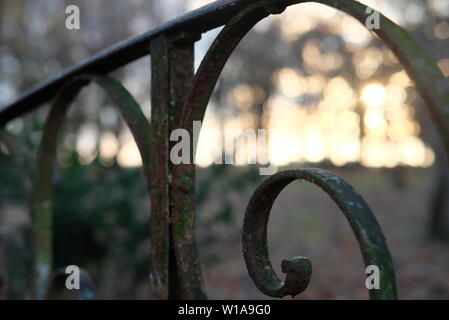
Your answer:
<point x="179" y="97"/>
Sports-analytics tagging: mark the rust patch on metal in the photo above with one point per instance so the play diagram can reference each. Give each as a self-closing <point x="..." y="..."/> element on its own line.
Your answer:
<point x="42" y="202"/>
<point x="299" y="269"/>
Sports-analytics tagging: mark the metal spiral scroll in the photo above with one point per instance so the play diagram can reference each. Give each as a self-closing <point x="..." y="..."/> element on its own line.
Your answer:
<point x="429" y="81"/>
<point x="299" y="269"/>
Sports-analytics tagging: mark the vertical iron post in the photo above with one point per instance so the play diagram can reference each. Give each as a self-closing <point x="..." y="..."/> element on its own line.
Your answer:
<point x="176" y="270"/>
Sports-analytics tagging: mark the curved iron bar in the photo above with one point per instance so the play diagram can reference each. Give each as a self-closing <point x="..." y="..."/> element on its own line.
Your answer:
<point x="428" y="78"/>
<point x="426" y="75"/>
<point x="362" y="221"/>
<point x="216" y="57"/>
<point x="240" y="16"/>
<point x="42" y="201"/>
<point x="200" y="20"/>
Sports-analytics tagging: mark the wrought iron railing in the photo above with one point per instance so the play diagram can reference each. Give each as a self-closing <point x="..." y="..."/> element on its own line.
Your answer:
<point x="179" y="97"/>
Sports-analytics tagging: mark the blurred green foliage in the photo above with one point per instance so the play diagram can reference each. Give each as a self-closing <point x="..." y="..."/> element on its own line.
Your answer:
<point x="101" y="216"/>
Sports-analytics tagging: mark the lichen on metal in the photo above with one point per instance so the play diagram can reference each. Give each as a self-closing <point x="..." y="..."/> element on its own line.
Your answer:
<point x="299" y="269"/>
<point x="173" y="186"/>
<point x="42" y="202"/>
<point x="179" y="97"/>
